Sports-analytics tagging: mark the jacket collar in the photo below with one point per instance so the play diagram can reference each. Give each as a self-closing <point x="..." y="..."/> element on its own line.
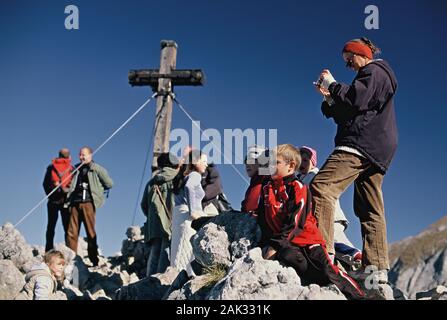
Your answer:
<point x="284" y="180"/>
<point x="164" y="175"/>
<point x="61" y="161"/>
<point x="90" y="165"/>
<point x="257" y="179"/>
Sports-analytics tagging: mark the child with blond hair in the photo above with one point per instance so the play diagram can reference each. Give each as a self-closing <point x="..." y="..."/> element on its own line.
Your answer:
<point x="41" y="280"/>
<point x="289" y="229"/>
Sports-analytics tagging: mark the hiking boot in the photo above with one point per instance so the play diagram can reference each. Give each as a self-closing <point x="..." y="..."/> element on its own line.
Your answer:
<point x="378" y="277"/>
<point x="95" y="263"/>
<point x="353" y="261"/>
<point x="357" y="261"/>
<point x="98" y="262"/>
<point x="340" y="266"/>
<point x="358" y="256"/>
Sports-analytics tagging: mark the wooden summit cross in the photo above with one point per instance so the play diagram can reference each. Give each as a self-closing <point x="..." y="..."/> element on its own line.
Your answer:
<point x="163" y="81"/>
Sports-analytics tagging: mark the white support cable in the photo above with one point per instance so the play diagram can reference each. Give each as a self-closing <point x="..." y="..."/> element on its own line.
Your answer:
<point x="111" y="137"/>
<point x="125" y="123"/>
<point x="48" y="195"/>
<point x="80" y="165"/>
<point x="142" y="175"/>
<point x="218" y="147"/>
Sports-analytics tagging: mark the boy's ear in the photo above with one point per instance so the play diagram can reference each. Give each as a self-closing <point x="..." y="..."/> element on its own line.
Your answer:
<point x="292" y="165"/>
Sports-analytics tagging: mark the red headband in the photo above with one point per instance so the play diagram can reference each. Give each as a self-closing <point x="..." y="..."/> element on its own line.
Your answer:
<point x="358" y="48"/>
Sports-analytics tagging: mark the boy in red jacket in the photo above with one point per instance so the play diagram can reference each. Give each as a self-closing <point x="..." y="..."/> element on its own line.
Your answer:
<point x="289" y="229"/>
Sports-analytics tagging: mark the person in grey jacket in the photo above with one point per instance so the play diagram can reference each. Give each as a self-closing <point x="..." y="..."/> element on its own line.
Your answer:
<point x="41" y="280"/>
<point x="85" y="196"/>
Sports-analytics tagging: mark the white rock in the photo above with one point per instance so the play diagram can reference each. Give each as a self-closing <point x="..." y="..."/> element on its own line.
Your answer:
<point x="315" y="292"/>
<point x="253" y="278"/>
<point x="14" y="247"/>
<point x="11" y="280"/>
<point x="433" y="294"/>
<point x="211" y="246"/>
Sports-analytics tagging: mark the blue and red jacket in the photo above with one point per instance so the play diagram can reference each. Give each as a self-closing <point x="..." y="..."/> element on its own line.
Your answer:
<point x="285" y="214"/>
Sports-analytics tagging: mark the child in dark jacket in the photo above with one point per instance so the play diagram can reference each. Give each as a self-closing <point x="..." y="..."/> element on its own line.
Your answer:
<point x="289" y="229"/>
<point x="251" y="200"/>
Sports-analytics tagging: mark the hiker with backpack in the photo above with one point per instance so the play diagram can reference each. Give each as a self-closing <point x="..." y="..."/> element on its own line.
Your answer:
<point x="157" y="205"/>
<point x="365" y="144"/>
<point x="57" y="175"/>
<point x="345" y="251"/>
<point x="85" y="196"/>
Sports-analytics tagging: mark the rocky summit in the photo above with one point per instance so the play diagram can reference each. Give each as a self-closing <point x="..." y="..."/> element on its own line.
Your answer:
<point x="419" y="263"/>
<point x="229" y="266"/>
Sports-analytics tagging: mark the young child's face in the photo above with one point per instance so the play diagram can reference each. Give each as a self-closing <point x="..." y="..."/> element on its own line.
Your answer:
<point x="306" y="164"/>
<point x="57" y="266"/>
<point x="282" y="168"/>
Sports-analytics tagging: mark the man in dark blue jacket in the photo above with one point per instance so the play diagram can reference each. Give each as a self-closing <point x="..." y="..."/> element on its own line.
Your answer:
<point x="365" y="144"/>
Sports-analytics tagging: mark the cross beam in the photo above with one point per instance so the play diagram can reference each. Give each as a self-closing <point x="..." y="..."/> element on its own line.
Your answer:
<point x="163" y="80"/>
<point x="151" y="77"/>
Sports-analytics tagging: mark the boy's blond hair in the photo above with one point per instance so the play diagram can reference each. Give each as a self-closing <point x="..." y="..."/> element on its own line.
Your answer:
<point x="50" y="255"/>
<point x="289" y="153"/>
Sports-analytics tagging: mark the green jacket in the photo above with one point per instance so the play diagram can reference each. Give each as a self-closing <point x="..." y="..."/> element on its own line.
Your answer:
<point x="99" y="181"/>
<point x="158" y="206"/>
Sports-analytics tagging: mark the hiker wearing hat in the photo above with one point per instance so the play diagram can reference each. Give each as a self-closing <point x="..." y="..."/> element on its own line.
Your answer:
<point x="58" y="175"/>
<point x="251" y="200"/>
<point x="365" y="144"/>
<point x="345" y="251"/>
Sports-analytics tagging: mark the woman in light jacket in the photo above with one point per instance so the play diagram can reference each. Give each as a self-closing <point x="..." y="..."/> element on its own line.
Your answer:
<point x="188" y="207"/>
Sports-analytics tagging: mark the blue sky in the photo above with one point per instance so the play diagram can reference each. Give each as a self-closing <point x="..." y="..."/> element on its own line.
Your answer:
<point x="61" y="88"/>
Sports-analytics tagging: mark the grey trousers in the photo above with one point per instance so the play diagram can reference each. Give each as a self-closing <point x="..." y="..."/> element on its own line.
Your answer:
<point x="158" y="260"/>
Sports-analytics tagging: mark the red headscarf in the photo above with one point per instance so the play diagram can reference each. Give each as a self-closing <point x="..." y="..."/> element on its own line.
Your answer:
<point x="358" y="48"/>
